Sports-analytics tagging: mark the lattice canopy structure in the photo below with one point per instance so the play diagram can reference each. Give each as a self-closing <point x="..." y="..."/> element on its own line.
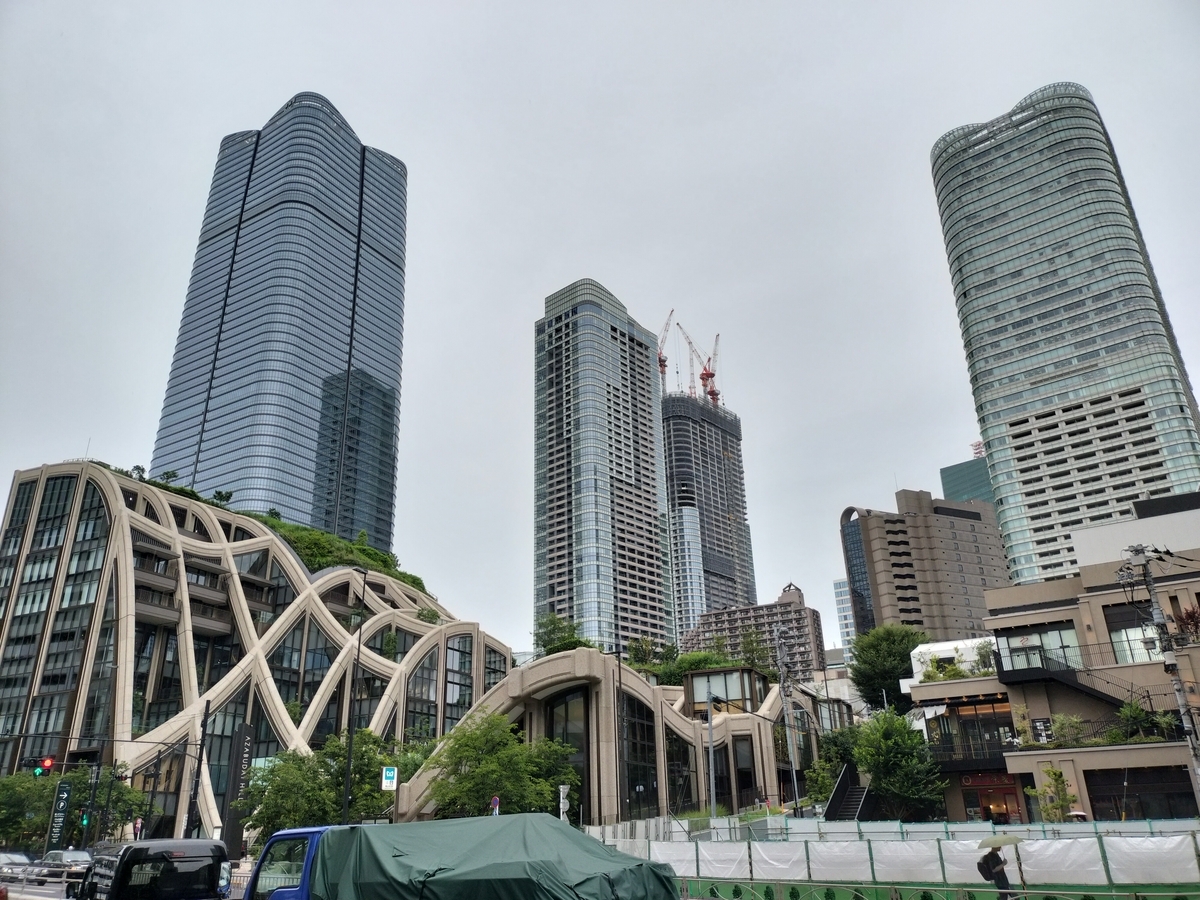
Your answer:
<point x="125" y="609"/>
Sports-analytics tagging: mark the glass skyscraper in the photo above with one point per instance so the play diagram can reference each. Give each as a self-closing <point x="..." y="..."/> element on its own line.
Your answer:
<point x="711" y="557"/>
<point x="600" y="510"/>
<point x="285" y="386"/>
<point x="1080" y="390"/>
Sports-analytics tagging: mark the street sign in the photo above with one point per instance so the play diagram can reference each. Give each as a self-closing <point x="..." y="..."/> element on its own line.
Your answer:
<point x="388" y="779"/>
<point x="137" y="827"/>
<point x="563" y="803"/>
<point x="495" y="806"/>
<point x="58" y="816"/>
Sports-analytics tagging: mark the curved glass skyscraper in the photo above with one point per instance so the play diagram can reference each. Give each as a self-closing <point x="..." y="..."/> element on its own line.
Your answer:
<point x="285" y="386"/>
<point x="1080" y="390"/>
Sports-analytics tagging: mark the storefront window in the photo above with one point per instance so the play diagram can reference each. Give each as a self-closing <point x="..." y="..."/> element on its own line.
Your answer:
<point x="567" y="721"/>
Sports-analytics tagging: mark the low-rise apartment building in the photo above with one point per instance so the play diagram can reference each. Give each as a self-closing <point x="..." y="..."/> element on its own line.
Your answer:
<point x="1079" y="684"/>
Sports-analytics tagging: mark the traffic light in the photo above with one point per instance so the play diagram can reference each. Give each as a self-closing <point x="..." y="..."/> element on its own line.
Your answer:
<point x="44" y="766"/>
<point x="83" y="818"/>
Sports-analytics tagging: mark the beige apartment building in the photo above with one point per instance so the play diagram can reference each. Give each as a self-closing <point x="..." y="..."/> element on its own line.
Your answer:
<point x="803" y="640"/>
<point x="926" y="565"/>
<point x="1071" y="654"/>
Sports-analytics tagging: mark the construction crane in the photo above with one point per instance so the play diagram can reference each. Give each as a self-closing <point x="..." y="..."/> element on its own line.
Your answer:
<point x="708" y="368"/>
<point x="662" y="346"/>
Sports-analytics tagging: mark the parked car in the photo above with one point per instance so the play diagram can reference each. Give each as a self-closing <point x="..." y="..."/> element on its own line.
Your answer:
<point x="12" y="862"/>
<point x="162" y="870"/>
<point x="64" y="866"/>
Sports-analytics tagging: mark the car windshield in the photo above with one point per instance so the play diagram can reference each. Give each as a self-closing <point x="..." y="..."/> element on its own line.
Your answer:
<point x="179" y="878"/>
<point x="76" y="856"/>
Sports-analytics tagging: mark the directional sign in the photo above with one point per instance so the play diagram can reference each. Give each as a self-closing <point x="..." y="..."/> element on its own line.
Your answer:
<point x="388" y="779"/>
<point x="58" y="815"/>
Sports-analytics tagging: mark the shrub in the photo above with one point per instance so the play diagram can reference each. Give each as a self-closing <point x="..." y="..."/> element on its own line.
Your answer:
<point x="794" y="893"/>
<point x="768" y="893"/>
<point x="712" y="891"/>
<point x="737" y="892"/>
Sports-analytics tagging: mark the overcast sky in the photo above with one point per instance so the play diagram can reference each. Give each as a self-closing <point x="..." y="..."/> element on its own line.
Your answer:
<point x="761" y="168"/>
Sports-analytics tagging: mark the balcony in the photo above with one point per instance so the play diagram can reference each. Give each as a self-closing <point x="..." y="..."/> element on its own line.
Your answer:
<point x="160" y="607"/>
<point x="210" y="619"/>
<point x="964" y="753"/>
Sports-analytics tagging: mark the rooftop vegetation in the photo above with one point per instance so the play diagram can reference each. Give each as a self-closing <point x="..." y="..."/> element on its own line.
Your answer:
<point x="317" y="549"/>
<point x="321" y="550"/>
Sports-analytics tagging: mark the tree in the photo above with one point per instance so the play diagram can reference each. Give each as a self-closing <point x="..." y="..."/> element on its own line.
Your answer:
<point x="717" y="644"/>
<point x="221" y="498"/>
<point x="555" y="634"/>
<point x="752" y="651"/>
<point x="881" y="659"/>
<point x="388" y="650"/>
<point x="1055" y="798"/>
<point x="23" y="793"/>
<point x="641" y="652"/>
<point x="168" y="476"/>
<point x="820" y="780"/>
<point x="668" y="654"/>
<point x="672" y="673"/>
<point x="904" y="776"/>
<point x="296" y="790"/>
<point x="838" y="746"/>
<point x="273" y="513"/>
<point x="483" y="758"/>
<point x="428" y="615"/>
<point x="138" y="472"/>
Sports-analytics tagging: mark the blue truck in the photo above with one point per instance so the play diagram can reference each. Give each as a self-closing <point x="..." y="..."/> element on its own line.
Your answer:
<point x="532" y="855"/>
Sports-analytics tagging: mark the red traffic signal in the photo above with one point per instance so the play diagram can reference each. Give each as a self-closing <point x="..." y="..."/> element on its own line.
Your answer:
<point x="47" y="762"/>
<point x="43" y="765"/>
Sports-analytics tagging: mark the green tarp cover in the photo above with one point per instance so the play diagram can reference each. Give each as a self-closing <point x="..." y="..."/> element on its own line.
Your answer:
<point x="532" y="856"/>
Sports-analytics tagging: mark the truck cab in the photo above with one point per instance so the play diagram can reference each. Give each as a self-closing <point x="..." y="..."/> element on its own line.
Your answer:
<point x="285" y="865"/>
<point x="184" y="869"/>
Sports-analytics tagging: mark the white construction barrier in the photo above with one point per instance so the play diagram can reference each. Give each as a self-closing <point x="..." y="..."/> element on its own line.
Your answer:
<point x="1068" y="861"/>
<point x="640" y="849"/>
<point x="723" y="859"/>
<point x="779" y="861"/>
<point x="839" y="860"/>
<point x="1147" y="860"/>
<point x="679" y="855"/>
<point x="959" y="858"/>
<point x="906" y="861"/>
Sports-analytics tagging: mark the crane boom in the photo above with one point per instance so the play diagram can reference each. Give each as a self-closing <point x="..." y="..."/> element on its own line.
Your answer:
<point x="693" y="358"/>
<point x="662" y="346"/>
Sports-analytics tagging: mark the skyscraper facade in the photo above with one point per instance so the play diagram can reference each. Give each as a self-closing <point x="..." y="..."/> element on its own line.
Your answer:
<point x="845" y="611"/>
<point x="711" y="557"/>
<point x="926" y="565"/>
<point x="600" y="508"/>
<point x="968" y="481"/>
<point x="285" y="386"/>
<point x="1080" y="389"/>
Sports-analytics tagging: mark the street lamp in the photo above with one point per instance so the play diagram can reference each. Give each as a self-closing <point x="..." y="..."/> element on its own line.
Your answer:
<point x="362" y="573"/>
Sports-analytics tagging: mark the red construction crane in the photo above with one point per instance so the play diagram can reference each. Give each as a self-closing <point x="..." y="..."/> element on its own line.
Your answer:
<point x="662" y="356"/>
<point x="708" y="368"/>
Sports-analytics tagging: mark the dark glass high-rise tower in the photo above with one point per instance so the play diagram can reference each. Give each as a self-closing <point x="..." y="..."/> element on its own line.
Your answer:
<point x="1083" y="401"/>
<point x="285" y="386"/>
<point x="711" y="557"/>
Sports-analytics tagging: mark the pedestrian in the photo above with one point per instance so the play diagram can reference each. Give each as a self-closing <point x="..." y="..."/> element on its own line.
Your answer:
<point x="995" y="864"/>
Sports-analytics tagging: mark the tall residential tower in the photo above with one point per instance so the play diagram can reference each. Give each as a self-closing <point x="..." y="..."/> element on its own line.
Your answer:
<point x="712" y="562"/>
<point x="1080" y="390"/>
<point x="926" y="565"/>
<point x="285" y="387"/>
<point x="600" y="510"/>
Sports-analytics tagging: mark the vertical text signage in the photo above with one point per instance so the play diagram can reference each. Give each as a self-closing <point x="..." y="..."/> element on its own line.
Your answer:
<point x="58" y="816"/>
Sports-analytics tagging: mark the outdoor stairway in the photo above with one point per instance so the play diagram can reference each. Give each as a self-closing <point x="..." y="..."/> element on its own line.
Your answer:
<point x="847" y="810"/>
<point x="1049" y="664"/>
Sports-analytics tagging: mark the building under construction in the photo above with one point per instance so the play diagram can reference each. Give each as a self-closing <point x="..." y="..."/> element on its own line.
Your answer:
<point x="711" y="559"/>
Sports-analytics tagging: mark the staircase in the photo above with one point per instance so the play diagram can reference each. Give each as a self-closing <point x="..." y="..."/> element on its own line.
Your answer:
<point x="849" y="800"/>
<point x="847" y="810"/>
<point x="1046" y="664"/>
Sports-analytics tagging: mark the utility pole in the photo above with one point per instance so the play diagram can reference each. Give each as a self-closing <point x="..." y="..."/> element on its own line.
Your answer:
<point x="350" y="729"/>
<point x="194" y="799"/>
<point x="1141" y="555"/>
<point x="712" y="775"/>
<point x="785" y="693"/>
<point x="91" y="802"/>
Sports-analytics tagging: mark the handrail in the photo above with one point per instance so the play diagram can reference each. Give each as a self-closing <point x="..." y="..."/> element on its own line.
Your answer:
<point x="1062" y="664"/>
<point x="840" y="788"/>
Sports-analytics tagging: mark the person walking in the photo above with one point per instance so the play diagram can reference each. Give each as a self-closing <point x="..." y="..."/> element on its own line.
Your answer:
<point x="995" y="863"/>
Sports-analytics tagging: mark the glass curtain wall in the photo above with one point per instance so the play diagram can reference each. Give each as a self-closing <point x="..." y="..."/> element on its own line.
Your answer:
<point x="567" y="721"/>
